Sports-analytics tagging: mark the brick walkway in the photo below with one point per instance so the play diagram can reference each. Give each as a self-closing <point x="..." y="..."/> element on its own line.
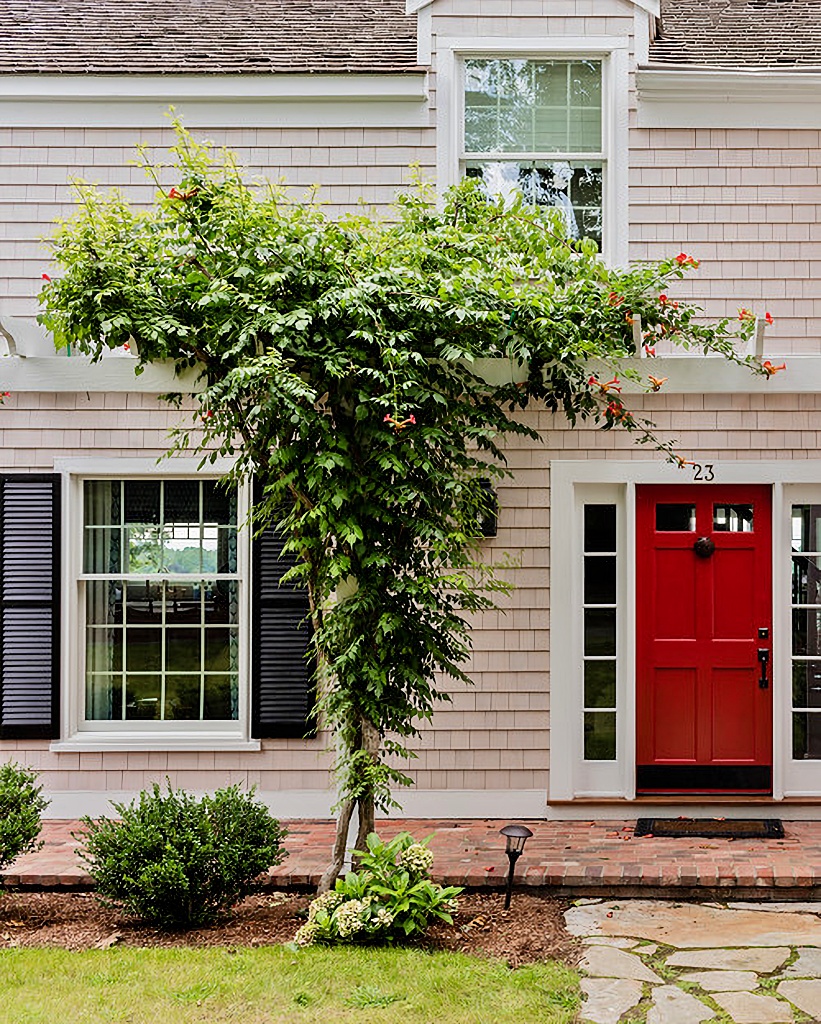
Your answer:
<point x="569" y="857"/>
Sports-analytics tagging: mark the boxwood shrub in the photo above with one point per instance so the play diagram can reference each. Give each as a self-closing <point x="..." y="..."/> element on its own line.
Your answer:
<point x="21" y="804"/>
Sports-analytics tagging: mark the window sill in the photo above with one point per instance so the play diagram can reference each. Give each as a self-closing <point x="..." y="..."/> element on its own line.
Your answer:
<point x="97" y="742"/>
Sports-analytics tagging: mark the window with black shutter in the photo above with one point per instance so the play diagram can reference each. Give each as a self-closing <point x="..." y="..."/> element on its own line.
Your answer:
<point x="29" y="606"/>
<point x="283" y="693"/>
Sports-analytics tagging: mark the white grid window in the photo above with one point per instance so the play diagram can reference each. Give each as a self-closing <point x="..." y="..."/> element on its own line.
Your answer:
<point x="160" y="589"/>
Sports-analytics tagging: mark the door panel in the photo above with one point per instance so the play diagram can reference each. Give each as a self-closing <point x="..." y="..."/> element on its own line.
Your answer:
<point x="703" y="721"/>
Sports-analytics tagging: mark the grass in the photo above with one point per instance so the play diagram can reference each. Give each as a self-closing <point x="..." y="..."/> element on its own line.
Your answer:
<point x="276" y="984"/>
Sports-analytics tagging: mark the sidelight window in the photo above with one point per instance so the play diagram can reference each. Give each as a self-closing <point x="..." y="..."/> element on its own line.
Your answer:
<point x="599" y="632"/>
<point x="806" y="632"/>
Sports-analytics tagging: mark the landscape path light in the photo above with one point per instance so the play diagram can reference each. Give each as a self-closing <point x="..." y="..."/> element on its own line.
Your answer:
<point x="515" y="838"/>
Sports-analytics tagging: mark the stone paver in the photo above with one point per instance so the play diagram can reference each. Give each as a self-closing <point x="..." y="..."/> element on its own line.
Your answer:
<point x="608" y="962"/>
<point x="724" y="981"/>
<point x="693" y="926"/>
<point x="609" y="998"/>
<point x="776" y="908"/>
<point x="607" y="940"/>
<point x="673" y="1006"/>
<point x="808" y="964"/>
<point x="746" y="1008"/>
<point x="805" y="994"/>
<point x="762" y="961"/>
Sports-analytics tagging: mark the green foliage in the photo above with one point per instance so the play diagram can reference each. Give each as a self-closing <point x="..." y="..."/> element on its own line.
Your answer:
<point x="390" y="899"/>
<point x="21" y="804"/>
<point x="368" y="372"/>
<point x="179" y="862"/>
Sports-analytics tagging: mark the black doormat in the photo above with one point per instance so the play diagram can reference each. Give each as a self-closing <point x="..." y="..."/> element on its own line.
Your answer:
<point x="710" y="828"/>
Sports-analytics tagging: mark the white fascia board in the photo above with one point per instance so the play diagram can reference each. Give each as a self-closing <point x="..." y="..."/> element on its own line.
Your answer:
<point x="651" y="6"/>
<point x="720" y="98"/>
<point x="214" y="101"/>
<point x="687" y="375"/>
<point x="78" y="373"/>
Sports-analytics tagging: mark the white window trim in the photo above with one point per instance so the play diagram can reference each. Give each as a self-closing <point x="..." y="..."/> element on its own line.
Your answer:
<point x="793" y="482"/>
<point x="76" y="734"/>
<point x="612" y="51"/>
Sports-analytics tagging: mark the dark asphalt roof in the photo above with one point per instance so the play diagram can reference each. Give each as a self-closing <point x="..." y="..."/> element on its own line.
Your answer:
<point x="739" y="33"/>
<point x="206" y="36"/>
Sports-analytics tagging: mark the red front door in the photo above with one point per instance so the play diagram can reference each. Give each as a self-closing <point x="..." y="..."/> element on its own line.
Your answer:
<point x="704" y="592"/>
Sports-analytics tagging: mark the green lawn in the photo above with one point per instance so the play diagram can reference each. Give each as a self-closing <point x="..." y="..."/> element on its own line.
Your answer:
<point x="274" y="984"/>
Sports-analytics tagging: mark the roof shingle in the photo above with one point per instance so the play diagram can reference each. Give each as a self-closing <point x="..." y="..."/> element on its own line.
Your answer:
<point x="739" y="33"/>
<point x="206" y="36"/>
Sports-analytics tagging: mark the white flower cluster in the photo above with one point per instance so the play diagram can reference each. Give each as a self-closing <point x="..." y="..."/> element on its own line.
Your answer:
<point x="384" y="918"/>
<point x="306" y="934"/>
<point x="327" y="901"/>
<point x="417" y="858"/>
<point x="349" y="918"/>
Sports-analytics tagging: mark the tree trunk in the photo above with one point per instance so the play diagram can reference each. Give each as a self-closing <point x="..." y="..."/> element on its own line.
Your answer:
<point x="343" y="823"/>
<point x="370" y="744"/>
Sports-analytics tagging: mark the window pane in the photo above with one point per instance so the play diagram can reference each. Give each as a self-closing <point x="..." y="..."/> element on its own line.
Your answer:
<point x="102" y="504"/>
<point x="806" y="579"/>
<point x="599" y="527"/>
<point x="221" y="697"/>
<point x="675" y="518"/>
<point x="806" y="736"/>
<point x="599" y="580"/>
<point x="576" y="192"/>
<point x="183" y="604"/>
<point x="142" y="700"/>
<point x="102" y="550"/>
<point x="181" y="502"/>
<point x="600" y="631"/>
<point x="141" y="501"/>
<point x="733" y="518"/>
<point x="806" y="632"/>
<point x="143" y="649"/>
<point x="806" y="527"/>
<point x="220" y="650"/>
<point x="104" y="602"/>
<point x="599" y="736"/>
<point x="143" y="553"/>
<point x="219" y="503"/>
<point x="221" y="602"/>
<point x="104" y="649"/>
<point x="183" y="650"/>
<point x="600" y="684"/>
<point x="144" y="602"/>
<point x="806" y="684"/>
<point x="182" y="697"/>
<point x="104" y="698"/>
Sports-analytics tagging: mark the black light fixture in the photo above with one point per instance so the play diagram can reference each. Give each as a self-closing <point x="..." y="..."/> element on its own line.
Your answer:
<point x="515" y="838"/>
<point x="489" y="519"/>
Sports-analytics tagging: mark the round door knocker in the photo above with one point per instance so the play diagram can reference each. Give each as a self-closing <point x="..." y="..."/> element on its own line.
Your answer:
<point x="704" y="547"/>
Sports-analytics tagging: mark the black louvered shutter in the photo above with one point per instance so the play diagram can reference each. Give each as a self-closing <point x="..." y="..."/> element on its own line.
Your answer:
<point x="29" y="607"/>
<point x="283" y="694"/>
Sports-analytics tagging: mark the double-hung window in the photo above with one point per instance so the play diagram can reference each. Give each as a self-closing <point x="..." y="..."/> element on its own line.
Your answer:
<point x="160" y="600"/>
<point x="535" y="125"/>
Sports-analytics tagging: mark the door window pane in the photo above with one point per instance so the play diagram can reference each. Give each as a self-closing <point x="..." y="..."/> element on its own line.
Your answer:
<point x="806" y="579"/>
<point x="600" y="684"/>
<point x="599" y="736"/>
<point x="676" y="518"/>
<point x="600" y="528"/>
<point x="599" y="580"/>
<point x="733" y="518"/>
<point x="806" y="736"/>
<point x="806" y="528"/>
<point x="806" y="684"/>
<point x="600" y="631"/>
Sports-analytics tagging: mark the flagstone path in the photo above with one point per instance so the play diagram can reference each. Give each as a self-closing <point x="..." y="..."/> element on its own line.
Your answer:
<point x="667" y="962"/>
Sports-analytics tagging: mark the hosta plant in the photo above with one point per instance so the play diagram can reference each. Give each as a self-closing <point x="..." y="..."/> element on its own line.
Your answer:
<point x="391" y="898"/>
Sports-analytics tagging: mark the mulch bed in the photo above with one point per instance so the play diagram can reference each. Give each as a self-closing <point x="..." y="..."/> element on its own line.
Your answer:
<point x="531" y="931"/>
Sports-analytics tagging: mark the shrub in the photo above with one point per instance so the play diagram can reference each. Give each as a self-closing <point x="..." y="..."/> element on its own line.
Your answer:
<point x="390" y="899"/>
<point x="21" y="805"/>
<point x="178" y="862"/>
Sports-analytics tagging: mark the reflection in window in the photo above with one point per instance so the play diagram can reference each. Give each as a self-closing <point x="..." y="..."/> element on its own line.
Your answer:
<point x="161" y="649"/>
<point x="733" y="518"/>
<point x="535" y="127"/>
<point x="806" y="632"/>
<point x="599" y="621"/>
<point x="675" y="518"/>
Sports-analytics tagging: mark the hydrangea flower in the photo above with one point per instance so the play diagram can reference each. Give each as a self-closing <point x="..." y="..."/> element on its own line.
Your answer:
<point x="348" y="918"/>
<point x="327" y="901"/>
<point x="416" y="858"/>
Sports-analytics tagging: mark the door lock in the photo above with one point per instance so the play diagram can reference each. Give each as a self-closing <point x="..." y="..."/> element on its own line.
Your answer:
<point x="763" y="660"/>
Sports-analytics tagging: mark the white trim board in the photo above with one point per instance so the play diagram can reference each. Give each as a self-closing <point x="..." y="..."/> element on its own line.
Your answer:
<point x="651" y="6"/>
<point x="713" y="98"/>
<point x="214" y="101"/>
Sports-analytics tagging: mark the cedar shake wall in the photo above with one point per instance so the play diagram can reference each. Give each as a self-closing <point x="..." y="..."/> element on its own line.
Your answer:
<point x="495" y="735"/>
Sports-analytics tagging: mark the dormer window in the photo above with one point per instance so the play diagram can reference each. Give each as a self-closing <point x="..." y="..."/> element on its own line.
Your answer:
<point x="536" y="126"/>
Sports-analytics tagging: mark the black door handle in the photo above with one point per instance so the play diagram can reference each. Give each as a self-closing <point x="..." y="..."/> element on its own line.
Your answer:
<point x="763" y="659"/>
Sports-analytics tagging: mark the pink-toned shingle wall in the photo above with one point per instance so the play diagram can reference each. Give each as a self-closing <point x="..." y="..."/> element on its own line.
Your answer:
<point x="745" y="202"/>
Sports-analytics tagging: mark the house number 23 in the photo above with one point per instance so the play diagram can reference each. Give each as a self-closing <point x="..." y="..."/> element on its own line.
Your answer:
<point x="705" y="473"/>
